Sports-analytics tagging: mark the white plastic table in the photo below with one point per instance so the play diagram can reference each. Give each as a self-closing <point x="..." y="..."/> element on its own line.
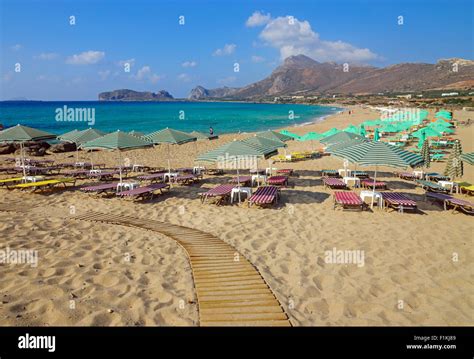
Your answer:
<point x="198" y="169"/>
<point x="95" y="171"/>
<point x="369" y="194"/>
<point x="344" y="172"/>
<point x="269" y="170"/>
<point x="259" y="178"/>
<point x="169" y="175"/>
<point x="447" y="184"/>
<point x="33" y="178"/>
<point x="419" y="174"/>
<point x="356" y="181"/>
<point x="126" y="186"/>
<point x="235" y="193"/>
<point x="137" y="168"/>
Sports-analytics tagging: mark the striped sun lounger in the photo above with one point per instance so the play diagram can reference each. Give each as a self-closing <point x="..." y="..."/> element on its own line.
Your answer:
<point x="406" y="176"/>
<point x="348" y="200"/>
<point x="76" y="173"/>
<point x="265" y="195"/>
<point x="398" y="201"/>
<point x="330" y="173"/>
<point x="102" y="175"/>
<point x="186" y="179"/>
<point x="243" y="180"/>
<point x="436" y="177"/>
<point x="285" y="171"/>
<point x="222" y="193"/>
<point x="333" y="183"/>
<point x="48" y="184"/>
<point x="360" y="174"/>
<point x="369" y="183"/>
<point x="145" y="192"/>
<point x="152" y="177"/>
<point x="449" y="201"/>
<point x="431" y="186"/>
<point x="107" y="187"/>
<point x="278" y="180"/>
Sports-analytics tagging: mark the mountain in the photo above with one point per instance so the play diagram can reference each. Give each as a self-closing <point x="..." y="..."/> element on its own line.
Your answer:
<point x="130" y="95"/>
<point x="200" y="92"/>
<point x="302" y="75"/>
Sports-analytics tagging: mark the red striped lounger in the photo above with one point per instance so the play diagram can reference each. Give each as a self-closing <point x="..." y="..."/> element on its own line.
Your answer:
<point x="398" y="201"/>
<point x="348" y="200"/>
<point x="264" y="195"/>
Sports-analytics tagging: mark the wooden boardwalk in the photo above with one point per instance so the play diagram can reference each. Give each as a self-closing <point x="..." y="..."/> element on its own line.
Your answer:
<point x="230" y="290"/>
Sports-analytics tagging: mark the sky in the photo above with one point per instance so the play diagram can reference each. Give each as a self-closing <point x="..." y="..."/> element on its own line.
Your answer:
<point x="73" y="50"/>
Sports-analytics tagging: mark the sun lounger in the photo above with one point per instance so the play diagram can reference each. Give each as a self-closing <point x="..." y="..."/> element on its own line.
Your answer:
<point x="10" y="181"/>
<point x="186" y="179"/>
<point x="468" y="188"/>
<point x="437" y="157"/>
<point x="431" y="186"/>
<point x="76" y="173"/>
<point x="278" y="180"/>
<point x="285" y="171"/>
<point x="215" y="171"/>
<point x="46" y="184"/>
<point x="369" y="183"/>
<point x="406" y="176"/>
<point x="265" y="195"/>
<point x="145" y="192"/>
<point x="102" y="175"/>
<point x="360" y="174"/>
<point x="330" y="173"/>
<point x="433" y="176"/>
<point x="243" y="180"/>
<point x="107" y="187"/>
<point x="152" y="177"/>
<point x="348" y="200"/>
<point x="333" y="183"/>
<point x="222" y="193"/>
<point x="398" y="201"/>
<point x="450" y="201"/>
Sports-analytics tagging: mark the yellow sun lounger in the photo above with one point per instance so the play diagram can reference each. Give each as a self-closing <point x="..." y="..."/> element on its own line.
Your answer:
<point x="8" y="181"/>
<point x="468" y="189"/>
<point x="46" y="184"/>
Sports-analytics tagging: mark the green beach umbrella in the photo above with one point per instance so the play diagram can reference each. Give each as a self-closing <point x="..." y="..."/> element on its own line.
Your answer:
<point x="425" y="154"/>
<point x="263" y="143"/>
<point x="330" y="132"/>
<point x="352" y="129"/>
<point x="391" y="128"/>
<point x="273" y="135"/>
<point x="376" y="135"/>
<point x="454" y="166"/>
<point x="21" y="134"/>
<point x="372" y="123"/>
<point x="379" y="154"/>
<point x="117" y="140"/>
<point x="83" y="137"/>
<point x="311" y="136"/>
<point x="441" y="128"/>
<point x="421" y="140"/>
<point x="170" y="137"/>
<point x="291" y="134"/>
<point x="427" y="132"/>
<point x="136" y="133"/>
<point x="344" y="144"/>
<point x="468" y="157"/>
<point x="340" y="137"/>
<point x="67" y="135"/>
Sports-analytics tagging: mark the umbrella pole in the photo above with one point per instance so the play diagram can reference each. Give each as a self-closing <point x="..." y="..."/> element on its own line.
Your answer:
<point x="22" y="161"/>
<point x="238" y="178"/>
<point x="373" y="188"/>
<point x="120" y="167"/>
<point x="169" y="166"/>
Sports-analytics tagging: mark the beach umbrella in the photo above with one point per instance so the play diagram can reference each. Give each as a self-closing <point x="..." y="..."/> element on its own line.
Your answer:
<point x="468" y="157"/>
<point x="21" y="134"/>
<point x="371" y="123"/>
<point x="379" y="154"/>
<point x="169" y="137"/>
<point x="425" y="153"/>
<point x="362" y="131"/>
<point x="273" y="135"/>
<point x="203" y="136"/>
<point x="391" y="128"/>
<point x="440" y="128"/>
<point x="330" y="132"/>
<point x="344" y="144"/>
<point x="82" y="137"/>
<point x="238" y="154"/>
<point x="352" y="129"/>
<point x="118" y="140"/>
<point x="136" y="133"/>
<point x="291" y="134"/>
<point x="265" y="144"/>
<point x="376" y="135"/>
<point x="454" y="166"/>
<point x="340" y="137"/>
<point x="67" y="135"/>
<point x="421" y="140"/>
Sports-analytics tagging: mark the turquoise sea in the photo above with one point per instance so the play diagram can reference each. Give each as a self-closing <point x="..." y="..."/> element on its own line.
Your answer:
<point x="224" y="117"/>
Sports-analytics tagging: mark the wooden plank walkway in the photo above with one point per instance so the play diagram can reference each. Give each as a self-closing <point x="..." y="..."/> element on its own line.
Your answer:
<point x="230" y="290"/>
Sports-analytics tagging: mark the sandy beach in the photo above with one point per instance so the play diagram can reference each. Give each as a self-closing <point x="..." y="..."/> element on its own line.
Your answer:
<point x="99" y="274"/>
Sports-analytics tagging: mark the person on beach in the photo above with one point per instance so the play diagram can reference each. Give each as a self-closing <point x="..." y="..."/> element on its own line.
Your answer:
<point x="211" y="131"/>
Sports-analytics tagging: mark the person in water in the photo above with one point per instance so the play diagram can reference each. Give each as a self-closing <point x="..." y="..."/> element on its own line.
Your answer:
<point x="211" y="131"/>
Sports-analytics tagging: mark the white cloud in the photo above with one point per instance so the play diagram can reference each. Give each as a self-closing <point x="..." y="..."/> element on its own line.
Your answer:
<point x="145" y="74"/>
<point x="258" y="18"/>
<point x="257" y="59"/>
<point x="48" y="78"/>
<point x="86" y="58"/>
<point x="16" y="47"/>
<point x="104" y="74"/>
<point x="293" y="37"/>
<point x="46" y="56"/>
<point x="189" y="64"/>
<point x="228" y="49"/>
<point x="184" y="77"/>
<point x="226" y="80"/>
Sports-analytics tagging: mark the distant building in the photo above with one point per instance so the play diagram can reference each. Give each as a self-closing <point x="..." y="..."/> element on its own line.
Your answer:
<point x="450" y="94"/>
<point x="405" y="96"/>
